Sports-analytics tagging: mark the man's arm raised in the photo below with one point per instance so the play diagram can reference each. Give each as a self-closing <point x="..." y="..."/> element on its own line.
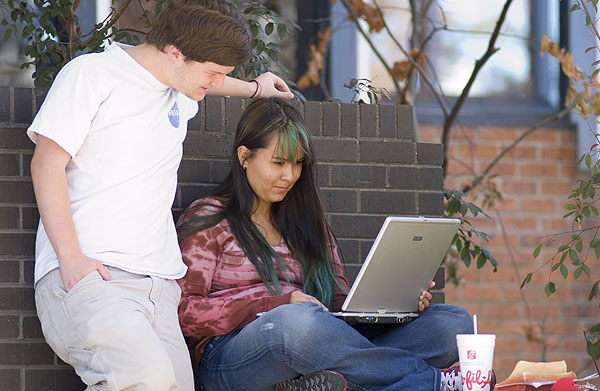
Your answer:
<point x="52" y="196"/>
<point x="269" y="85"/>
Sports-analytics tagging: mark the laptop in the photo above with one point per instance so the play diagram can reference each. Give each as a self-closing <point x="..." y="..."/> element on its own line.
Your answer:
<point x="404" y="258"/>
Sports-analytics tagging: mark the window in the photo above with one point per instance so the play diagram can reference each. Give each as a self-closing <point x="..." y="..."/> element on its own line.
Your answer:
<point x="515" y="78"/>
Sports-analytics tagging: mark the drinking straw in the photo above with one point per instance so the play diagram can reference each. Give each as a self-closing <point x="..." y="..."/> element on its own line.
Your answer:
<point x="475" y="323"/>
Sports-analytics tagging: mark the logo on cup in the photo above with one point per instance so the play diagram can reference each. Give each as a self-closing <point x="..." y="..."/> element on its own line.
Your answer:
<point x="471" y="354"/>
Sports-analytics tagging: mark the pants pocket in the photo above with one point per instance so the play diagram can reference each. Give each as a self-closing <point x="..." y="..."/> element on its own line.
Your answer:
<point x="89" y="367"/>
<point x="46" y="304"/>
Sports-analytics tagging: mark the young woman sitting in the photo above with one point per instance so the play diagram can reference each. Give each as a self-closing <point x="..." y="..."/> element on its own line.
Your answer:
<point x="261" y="243"/>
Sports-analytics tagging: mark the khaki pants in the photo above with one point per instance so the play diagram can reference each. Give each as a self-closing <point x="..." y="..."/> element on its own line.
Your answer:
<point x="121" y="334"/>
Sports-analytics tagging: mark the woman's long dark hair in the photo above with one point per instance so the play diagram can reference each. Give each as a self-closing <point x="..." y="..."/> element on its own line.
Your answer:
<point x="299" y="217"/>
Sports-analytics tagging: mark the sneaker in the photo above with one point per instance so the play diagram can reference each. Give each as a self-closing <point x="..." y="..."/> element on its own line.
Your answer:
<point x="452" y="380"/>
<point x="317" y="381"/>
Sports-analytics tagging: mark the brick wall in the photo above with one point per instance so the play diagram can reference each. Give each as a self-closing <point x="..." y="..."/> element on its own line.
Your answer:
<point x="535" y="180"/>
<point x="370" y="166"/>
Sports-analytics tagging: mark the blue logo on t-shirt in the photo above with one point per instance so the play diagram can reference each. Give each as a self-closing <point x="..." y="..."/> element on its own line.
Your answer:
<point x="174" y="115"/>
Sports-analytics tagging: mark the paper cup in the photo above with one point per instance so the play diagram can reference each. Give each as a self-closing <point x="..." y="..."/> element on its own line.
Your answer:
<point x="476" y="356"/>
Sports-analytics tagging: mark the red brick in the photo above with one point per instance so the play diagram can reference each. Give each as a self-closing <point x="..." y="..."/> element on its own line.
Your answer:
<point x="538" y="170"/>
<point x="518" y="187"/>
<point x="504" y="274"/>
<point x="520" y="223"/>
<point x="507" y="205"/>
<point x="466" y="151"/>
<point x="538" y="205"/>
<point x="555" y="224"/>
<point x="481" y="222"/>
<point x="542" y="311"/>
<point x="568" y="136"/>
<point x="506" y="344"/>
<point x="457" y="168"/>
<point x="558" y="188"/>
<point x="543" y="136"/>
<point x="559" y="153"/>
<point x="570" y="171"/>
<point x="561" y="327"/>
<point x="511" y="293"/>
<point x="521" y="152"/>
<point x="502" y="168"/>
<point x="487" y="327"/>
<point x="494" y="310"/>
<point x="498" y="134"/>
<point x="462" y="133"/>
<point x="481" y="292"/>
<point x="429" y="134"/>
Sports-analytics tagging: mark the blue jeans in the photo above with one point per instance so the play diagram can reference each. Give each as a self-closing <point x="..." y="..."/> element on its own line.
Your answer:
<point x="296" y="339"/>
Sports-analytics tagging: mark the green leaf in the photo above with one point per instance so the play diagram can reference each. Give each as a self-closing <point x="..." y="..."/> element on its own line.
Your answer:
<point x="564" y="271"/>
<point x="587" y="50"/>
<point x="594" y="291"/>
<point x="570" y="206"/>
<point x="574" y="8"/>
<point x="578" y="272"/>
<point x="555" y="266"/>
<point x="588" y="160"/>
<point x="562" y="248"/>
<point x="549" y="288"/>
<point x="7" y="34"/>
<point x="537" y="250"/>
<point x="588" y="20"/>
<point x="481" y="260"/>
<point x="465" y="255"/>
<point x="573" y="255"/>
<point x="254" y="30"/>
<point x="526" y="280"/>
<point x="586" y="270"/>
<point x="579" y="246"/>
<point x="270" y="27"/>
<point x="282" y="31"/>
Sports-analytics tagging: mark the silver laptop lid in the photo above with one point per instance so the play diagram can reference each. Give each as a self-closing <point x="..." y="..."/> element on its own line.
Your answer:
<point x="403" y="259"/>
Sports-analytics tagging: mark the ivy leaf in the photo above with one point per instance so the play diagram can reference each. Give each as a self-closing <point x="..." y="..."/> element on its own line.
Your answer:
<point x="549" y="288"/>
<point x="564" y="271"/>
<point x="466" y="256"/>
<point x="270" y="27"/>
<point x="526" y="280"/>
<point x="573" y="255"/>
<point x="593" y="291"/>
<point x="537" y="250"/>
<point x="481" y="260"/>
<point x="282" y="30"/>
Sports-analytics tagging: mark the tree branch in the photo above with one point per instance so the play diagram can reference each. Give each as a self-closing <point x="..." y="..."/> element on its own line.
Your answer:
<point x="413" y="64"/>
<point x="491" y="49"/>
<point x="540" y="124"/>
<point x="111" y="22"/>
<point x="368" y="39"/>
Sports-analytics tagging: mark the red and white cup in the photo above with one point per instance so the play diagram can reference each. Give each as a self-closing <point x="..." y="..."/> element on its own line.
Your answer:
<point x="476" y="356"/>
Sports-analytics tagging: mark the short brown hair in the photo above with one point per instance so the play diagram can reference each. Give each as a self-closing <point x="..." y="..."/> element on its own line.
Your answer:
<point x="203" y="30"/>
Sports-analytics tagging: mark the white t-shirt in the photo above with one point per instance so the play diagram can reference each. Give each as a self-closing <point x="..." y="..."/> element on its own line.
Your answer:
<point x="124" y="131"/>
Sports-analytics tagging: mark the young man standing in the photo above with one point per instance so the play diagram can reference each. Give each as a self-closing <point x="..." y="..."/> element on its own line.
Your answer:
<point x="108" y="145"/>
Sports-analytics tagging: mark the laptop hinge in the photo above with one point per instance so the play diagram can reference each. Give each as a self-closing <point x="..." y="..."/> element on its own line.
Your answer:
<point x="381" y="310"/>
